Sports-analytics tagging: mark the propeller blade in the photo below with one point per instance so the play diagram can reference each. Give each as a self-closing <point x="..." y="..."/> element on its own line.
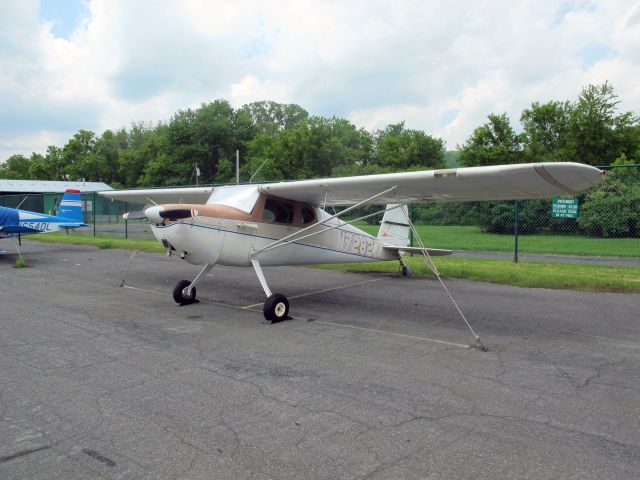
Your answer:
<point x="137" y="215"/>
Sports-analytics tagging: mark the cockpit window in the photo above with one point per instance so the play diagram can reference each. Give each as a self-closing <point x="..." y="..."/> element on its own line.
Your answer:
<point x="242" y="197"/>
<point x="277" y="211"/>
<point x="307" y="215"/>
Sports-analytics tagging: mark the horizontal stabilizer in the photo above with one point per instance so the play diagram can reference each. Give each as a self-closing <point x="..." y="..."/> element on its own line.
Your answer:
<point x="432" y="252"/>
<point x="73" y="225"/>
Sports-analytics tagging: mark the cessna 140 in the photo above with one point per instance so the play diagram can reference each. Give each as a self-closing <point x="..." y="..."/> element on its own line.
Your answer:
<point x="283" y="223"/>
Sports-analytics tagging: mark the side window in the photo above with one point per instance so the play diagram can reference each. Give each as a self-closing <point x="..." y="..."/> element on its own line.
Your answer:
<point x="278" y="212"/>
<point x="307" y="215"/>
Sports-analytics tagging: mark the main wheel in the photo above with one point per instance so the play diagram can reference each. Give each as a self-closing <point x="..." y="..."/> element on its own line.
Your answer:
<point x="276" y="307"/>
<point x="180" y="293"/>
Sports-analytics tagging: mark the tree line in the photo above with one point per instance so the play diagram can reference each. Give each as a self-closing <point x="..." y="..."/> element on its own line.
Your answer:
<point x="276" y="142"/>
<point x="283" y="141"/>
<point x="279" y="141"/>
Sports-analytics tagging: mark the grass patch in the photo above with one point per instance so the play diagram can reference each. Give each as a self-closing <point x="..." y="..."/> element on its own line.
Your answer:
<point x="525" y="274"/>
<point x="145" y="245"/>
<point x="472" y="238"/>
<point x="20" y="263"/>
<point x="592" y="278"/>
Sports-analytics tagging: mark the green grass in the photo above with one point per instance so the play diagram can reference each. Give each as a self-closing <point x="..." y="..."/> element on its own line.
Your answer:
<point x="20" y="263"/>
<point x="525" y="274"/>
<point x="103" y="242"/>
<point x="594" y="278"/>
<point x="472" y="238"/>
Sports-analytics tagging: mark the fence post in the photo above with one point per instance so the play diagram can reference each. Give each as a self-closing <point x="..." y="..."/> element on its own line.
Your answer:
<point x="515" y="227"/>
<point x="94" y="213"/>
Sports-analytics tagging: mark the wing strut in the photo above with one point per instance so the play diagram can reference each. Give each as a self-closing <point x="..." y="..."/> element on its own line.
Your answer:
<point x="432" y="266"/>
<point x="290" y="238"/>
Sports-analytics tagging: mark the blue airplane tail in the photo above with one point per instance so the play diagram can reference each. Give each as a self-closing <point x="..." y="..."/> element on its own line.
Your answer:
<point x="71" y="206"/>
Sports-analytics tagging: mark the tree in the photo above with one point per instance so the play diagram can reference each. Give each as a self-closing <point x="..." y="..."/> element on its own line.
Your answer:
<point x="271" y="117"/>
<point x="494" y="143"/>
<point x="400" y="149"/>
<point x="78" y="154"/>
<point x="16" y="167"/>
<point x="546" y="128"/>
<point x="596" y="135"/>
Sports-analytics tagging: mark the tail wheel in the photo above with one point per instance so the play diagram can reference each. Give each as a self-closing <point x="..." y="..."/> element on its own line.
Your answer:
<point x="180" y="294"/>
<point x="276" y="308"/>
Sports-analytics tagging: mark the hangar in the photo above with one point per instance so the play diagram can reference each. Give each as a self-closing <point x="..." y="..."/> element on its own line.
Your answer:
<point x="41" y="195"/>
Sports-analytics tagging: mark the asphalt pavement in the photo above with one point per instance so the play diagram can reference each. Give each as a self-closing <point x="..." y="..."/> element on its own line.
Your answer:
<point x="371" y="378"/>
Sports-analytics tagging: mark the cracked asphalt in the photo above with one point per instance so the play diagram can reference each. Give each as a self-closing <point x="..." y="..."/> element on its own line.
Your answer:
<point x="370" y="379"/>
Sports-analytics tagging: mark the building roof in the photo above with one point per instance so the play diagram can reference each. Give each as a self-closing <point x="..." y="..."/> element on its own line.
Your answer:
<point x="46" y="186"/>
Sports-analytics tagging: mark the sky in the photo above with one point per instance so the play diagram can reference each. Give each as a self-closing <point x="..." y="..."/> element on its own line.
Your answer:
<point x="440" y="66"/>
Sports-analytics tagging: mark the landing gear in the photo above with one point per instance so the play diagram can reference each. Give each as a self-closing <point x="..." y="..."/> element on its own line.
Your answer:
<point x="406" y="271"/>
<point x="182" y="294"/>
<point x="276" y="307"/>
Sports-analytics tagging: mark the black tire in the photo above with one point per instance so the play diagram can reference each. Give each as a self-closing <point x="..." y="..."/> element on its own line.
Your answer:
<point x="179" y="293"/>
<point x="276" y="308"/>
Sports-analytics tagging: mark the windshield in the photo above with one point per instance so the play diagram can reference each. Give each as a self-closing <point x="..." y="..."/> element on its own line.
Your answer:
<point x="242" y="197"/>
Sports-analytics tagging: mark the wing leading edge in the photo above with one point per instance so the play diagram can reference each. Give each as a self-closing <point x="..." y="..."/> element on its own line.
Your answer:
<point x="161" y="195"/>
<point x="498" y="182"/>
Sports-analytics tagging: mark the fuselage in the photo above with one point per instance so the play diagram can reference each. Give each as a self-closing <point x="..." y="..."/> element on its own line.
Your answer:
<point x="227" y="235"/>
<point x="14" y="221"/>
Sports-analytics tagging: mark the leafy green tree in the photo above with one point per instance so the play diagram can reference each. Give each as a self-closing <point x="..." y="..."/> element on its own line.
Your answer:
<point x="315" y="148"/>
<point x="16" y="167"/>
<point x="271" y="117"/>
<point x="78" y="155"/>
<point x="546" y="129"/>
<point x="400" y="149"/>
<point x="596" y="134"/>
<point x="494" y="143"/>
<point x="612" y="209"/>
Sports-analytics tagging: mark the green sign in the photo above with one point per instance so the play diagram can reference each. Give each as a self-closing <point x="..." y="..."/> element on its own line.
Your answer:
<point x="564" y="208"/>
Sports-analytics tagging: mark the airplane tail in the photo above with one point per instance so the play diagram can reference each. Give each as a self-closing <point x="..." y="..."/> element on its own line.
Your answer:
<point x="71" y="206"/>
<point x="394" y="229"/>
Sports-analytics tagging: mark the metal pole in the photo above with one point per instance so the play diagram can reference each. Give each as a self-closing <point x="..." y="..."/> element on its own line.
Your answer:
<point x="94" y="213"/>
<point x="126" y="221"/>
<point x="515" y="227"/>
<point x="237" y="166"/>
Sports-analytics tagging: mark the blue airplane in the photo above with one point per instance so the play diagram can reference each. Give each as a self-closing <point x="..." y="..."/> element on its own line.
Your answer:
<point x="15" y="222"/>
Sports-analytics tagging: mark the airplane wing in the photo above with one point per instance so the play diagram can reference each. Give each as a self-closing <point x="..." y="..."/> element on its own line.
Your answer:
<point x="160" y="195"/>
<point x="499" y="182"/>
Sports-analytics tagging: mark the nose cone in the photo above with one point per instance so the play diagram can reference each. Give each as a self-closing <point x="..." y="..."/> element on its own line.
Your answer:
<point x="153" y="213"/>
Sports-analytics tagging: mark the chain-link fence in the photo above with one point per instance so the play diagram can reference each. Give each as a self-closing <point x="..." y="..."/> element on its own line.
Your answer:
<point x="600" y="226"/>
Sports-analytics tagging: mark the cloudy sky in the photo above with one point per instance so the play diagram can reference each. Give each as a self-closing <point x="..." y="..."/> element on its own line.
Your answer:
<point x="441" y="66"/>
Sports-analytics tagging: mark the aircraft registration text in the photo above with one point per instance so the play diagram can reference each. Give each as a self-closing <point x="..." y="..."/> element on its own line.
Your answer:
<point x="42" y="226"/>
<point x="350" y="242"/>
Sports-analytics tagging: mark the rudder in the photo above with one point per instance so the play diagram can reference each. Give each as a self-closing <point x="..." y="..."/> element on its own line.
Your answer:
<point x="71" y="206"/>
<point x="395" y="229"/>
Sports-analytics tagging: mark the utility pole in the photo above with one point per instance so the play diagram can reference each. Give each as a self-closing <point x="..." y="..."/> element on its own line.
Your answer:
<point x="237" y="167"/>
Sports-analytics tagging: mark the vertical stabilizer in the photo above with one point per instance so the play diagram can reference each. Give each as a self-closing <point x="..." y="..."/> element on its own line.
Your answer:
<point x="394" y="229"/>
<point x="71" y="206"/>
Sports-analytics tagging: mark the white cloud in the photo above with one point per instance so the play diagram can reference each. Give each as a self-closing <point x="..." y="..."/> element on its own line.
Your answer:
<point x="441" y="66"/>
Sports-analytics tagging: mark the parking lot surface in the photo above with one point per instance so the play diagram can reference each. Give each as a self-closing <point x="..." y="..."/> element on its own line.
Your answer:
<point x="372" y="378"/>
